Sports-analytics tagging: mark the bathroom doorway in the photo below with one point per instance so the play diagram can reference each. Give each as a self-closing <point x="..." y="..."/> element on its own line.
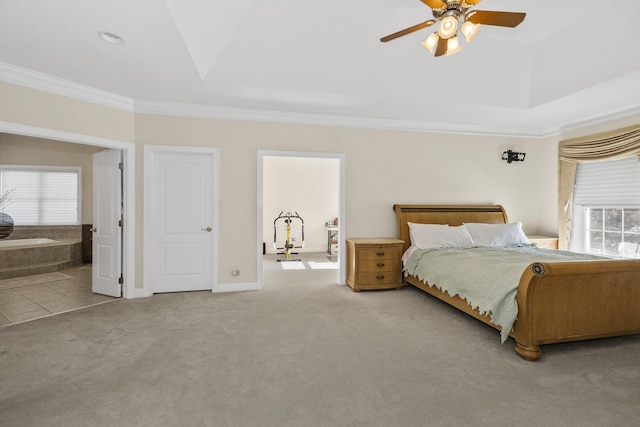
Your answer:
<point x="24" y="141"/>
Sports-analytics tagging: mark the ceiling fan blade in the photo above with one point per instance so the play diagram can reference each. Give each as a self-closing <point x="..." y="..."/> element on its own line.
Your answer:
<point x="472" y="2"/>
<point x="409" y="30"/>
<point x="434" y="4"/>
<point x="441" y="49"/>
<point x="502" y="19"/>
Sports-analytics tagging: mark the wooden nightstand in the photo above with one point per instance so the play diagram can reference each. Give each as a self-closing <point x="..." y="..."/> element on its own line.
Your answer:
<point x="374" y="264"/>
<point x="546" y="242"/>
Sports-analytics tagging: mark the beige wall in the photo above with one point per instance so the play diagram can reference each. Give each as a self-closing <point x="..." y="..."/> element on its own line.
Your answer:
<point x="36" y="108"/>
<point x="24" y="150"/>
<point x="382" y="167"/>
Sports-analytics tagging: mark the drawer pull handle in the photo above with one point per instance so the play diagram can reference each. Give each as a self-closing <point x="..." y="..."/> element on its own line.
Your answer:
<point x="380" y="254"/>
<point x="380" y="264"/>
<point x="380" y="277"/>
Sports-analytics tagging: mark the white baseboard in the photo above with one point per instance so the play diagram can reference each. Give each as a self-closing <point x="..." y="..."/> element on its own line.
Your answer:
<point x="140" y="293"/>
<point x="224" y="287"/>
<point x="236" y="287"/>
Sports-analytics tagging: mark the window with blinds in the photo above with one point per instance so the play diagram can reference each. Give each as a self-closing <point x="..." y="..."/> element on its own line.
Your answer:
<point x="41" y="195"/>
<point x="613" y="183"/>
<point x="608" y="195"/>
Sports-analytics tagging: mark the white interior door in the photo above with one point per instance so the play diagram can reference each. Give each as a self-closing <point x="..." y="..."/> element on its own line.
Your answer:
<point x="183" y="220"/>
<point x="107" y="229"/>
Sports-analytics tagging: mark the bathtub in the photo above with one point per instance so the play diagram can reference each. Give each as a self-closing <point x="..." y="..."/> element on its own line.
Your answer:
<point x="26" y="257"/>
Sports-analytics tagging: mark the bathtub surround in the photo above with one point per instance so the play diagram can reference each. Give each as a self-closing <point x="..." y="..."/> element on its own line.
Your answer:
<point x="22" y="243"/>
<point x="54" y="232"/>
<point x="40" y="256"/>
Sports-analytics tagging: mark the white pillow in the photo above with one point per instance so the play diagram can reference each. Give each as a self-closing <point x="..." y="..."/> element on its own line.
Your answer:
<point x="459" y="237"/>
<point x="424" y="235"/>
<point x="436" y="236"/>
<point x="497" y="234"/>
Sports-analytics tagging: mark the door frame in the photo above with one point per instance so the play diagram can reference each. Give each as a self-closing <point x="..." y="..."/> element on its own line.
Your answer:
<point x="129" y="289"/>
<point x="341" y="207"/>
<point x="149" y="151"/>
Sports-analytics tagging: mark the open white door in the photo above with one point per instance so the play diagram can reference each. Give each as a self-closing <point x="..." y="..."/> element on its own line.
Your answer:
<point x="107" y="225"/>
<point x="183" y="222"/>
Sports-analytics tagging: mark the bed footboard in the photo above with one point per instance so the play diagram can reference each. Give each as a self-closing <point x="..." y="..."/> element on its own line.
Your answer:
<point x="572" y="301"/>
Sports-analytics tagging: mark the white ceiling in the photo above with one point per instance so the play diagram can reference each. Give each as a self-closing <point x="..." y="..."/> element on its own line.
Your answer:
<point x="570" y="62"/>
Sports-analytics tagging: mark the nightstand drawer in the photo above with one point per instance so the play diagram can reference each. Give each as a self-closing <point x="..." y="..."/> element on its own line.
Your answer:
<point x="382" y="278"/>
<point x="381" y="252"/>
<point x="373" y="265"/>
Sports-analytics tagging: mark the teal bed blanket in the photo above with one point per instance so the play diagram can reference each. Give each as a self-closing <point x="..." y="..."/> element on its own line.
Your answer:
<point x="486" y="277"/>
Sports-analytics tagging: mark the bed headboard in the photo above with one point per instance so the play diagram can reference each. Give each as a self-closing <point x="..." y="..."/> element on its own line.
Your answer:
<point x="443" y="214"/>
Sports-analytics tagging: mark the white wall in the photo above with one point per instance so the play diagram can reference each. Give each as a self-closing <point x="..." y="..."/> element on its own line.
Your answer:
<point x="306" y="185"/>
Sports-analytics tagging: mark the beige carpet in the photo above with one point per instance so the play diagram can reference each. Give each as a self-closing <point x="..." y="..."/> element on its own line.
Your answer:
<point x="302" y="352"/>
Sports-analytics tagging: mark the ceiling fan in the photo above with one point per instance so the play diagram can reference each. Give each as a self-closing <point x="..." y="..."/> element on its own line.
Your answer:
<point x="454" y="15"/>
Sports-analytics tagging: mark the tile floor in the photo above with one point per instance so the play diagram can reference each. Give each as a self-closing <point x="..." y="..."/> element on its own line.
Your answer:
<point x="32" y="297"/>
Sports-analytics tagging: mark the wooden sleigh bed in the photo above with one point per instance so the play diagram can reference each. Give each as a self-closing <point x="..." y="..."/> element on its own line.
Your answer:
<point x="557" y="301"/>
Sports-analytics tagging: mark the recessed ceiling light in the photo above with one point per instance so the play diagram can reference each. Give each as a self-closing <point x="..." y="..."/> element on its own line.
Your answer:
<point x="110" y="37"/>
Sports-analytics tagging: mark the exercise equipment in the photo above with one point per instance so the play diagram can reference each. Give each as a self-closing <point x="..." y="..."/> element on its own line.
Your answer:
<point x="288" y="219"/>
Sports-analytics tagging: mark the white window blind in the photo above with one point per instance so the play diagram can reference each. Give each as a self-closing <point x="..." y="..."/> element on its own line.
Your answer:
<point x="42" y="196"/>
<point x="612" y="183"/>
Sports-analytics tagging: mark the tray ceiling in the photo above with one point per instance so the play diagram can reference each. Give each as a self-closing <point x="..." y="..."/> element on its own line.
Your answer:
<point x="567" y="64"/>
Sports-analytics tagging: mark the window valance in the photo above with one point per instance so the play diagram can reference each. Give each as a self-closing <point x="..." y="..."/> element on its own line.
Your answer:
<point x="611" y="145"/>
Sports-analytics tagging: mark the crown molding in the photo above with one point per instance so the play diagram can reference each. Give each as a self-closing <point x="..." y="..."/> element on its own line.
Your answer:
<point x="273" y="116"/>
<point x="40" y="81"/>
<point x="592" y="120"/>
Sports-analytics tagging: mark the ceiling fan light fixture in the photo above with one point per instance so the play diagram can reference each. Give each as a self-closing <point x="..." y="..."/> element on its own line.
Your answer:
<point x="448" y="26"/>
<point x="470" y="30"/>
<point x="453" y="16"/>
<point x="431" y="42"/>
<point x="453" y="46"/>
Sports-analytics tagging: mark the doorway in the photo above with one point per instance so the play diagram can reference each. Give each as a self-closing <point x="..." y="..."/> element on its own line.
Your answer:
<point x="57" y="266"/>
<point x="128" y="190"/>
<point x="305" y="191"/>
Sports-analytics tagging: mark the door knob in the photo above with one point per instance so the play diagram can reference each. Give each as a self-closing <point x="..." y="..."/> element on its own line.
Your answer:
<point x="93" y="229"/>
<point x="208" y="229"/>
